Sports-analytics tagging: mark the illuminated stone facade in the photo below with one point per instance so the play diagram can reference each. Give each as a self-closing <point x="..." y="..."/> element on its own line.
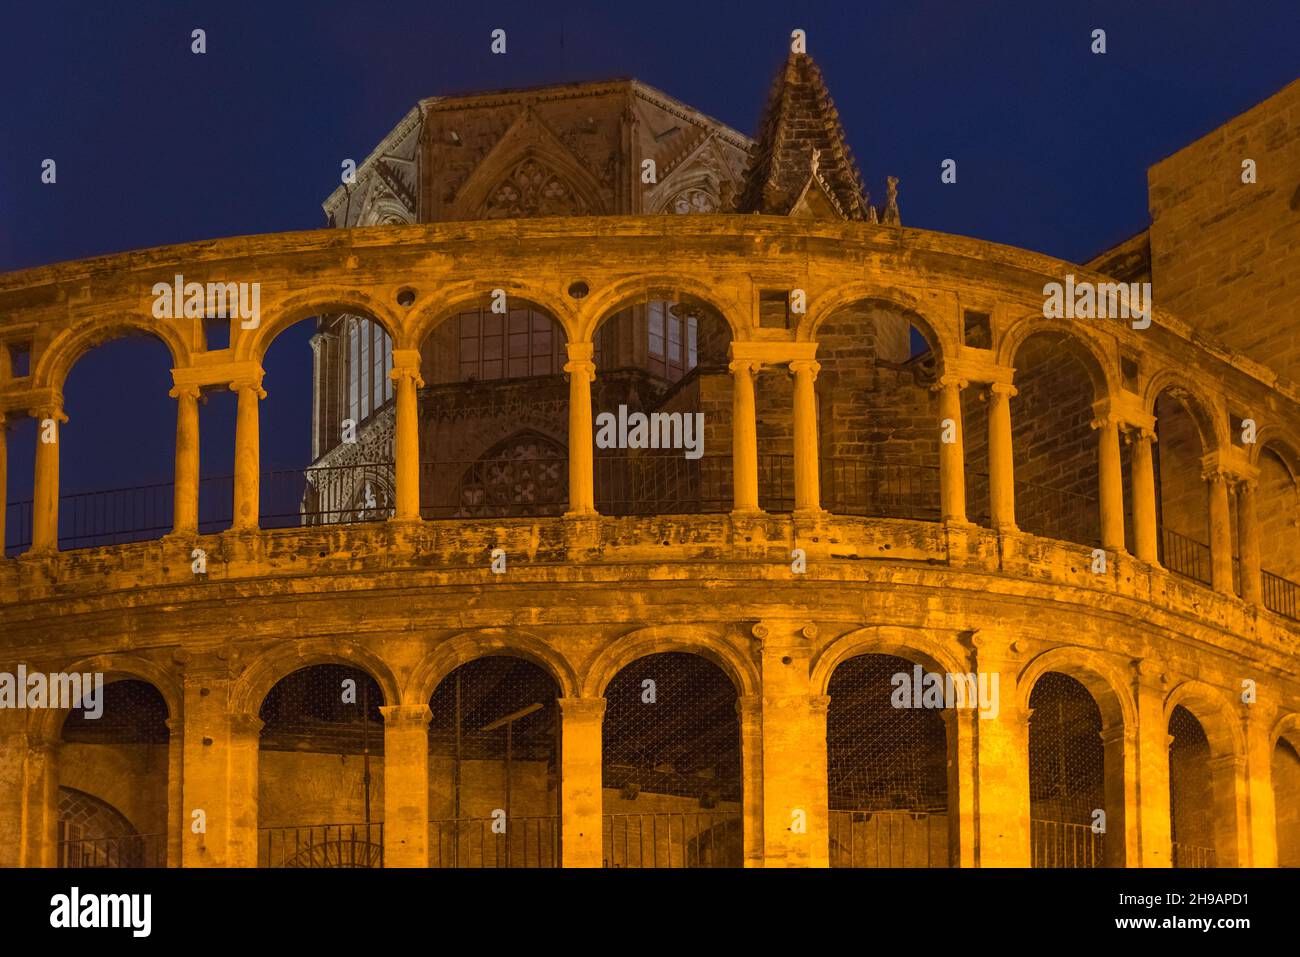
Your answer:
<point x="905" y="464"/>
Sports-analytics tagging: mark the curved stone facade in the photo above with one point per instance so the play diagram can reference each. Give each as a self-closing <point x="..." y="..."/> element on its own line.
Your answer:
<point x="584" y="595"/>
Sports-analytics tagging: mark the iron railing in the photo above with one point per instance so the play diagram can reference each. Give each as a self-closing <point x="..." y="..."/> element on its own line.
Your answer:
<point x="321" y="845"/>
<point x="1184" y="556"/>
<point x="662" y="483"/>
<point x="135" y="850"/>
<point x="888" y="839"/>
<point x="532" y="841"/>
<point x="1064" y="844"/>
<point x="1281" y="595"/>
<point x="673" y="839"/>
<point x="1192" y="855"/>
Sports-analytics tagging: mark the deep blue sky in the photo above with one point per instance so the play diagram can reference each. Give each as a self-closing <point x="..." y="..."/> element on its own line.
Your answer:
<point x="156" y="145"/>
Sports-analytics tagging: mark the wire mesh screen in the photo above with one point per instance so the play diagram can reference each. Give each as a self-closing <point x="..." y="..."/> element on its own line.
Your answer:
<point x="1191" y="798"/>
<point x="1067" y="777"/>
<point x="131" y="729"/>
<point x="493" y="766"/>
<point x="887" y="769"/>
<point x="320" y="775"/>
<point x="672" y="765"/>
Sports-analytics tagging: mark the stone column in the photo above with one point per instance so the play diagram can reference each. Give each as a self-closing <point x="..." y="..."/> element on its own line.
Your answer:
<point x="318" y="393"/>
<point x="185" y="512"/>
<point x="744" y="436"/>
<point x="1216" y="483"/>
<point x="582" y="485"/>
<point x="796" y="825"/>
<point x="1259" y="775"/>
<point x="215" y="772"/>
<point x="406" y="785"/>
<point x="1252" y="578"/>
<point x="406" y="447"/>
<point x="1230" y="788"/>
<point x="1002" y="481"/>
<point x="952" y="456"/>
<point x="1152" y="768"/>
<point x="175" y="793"/>
<point x="963" y="821"/>
<point x="45" y="497"/>
<point x="807" y="490"/>
<point x="1110" y="480"/>
<point x="582" y="799"/>
<point x="4" y="483"/>
<point x="41" y="800"/>
<point x="247" y="452"/>
<point x="1121" y="842"/>
<point x="750" y="710"/>
<point x="1002" y="768"/>
<point x="1144" y="496"/>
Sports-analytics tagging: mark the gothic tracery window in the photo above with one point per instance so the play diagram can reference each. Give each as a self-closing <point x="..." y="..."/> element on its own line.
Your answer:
<point x="525" y="475"/>
<point x="532" y="189"/>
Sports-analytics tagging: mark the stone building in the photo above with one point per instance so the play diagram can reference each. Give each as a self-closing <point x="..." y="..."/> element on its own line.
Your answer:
<point x="949" y="582"/>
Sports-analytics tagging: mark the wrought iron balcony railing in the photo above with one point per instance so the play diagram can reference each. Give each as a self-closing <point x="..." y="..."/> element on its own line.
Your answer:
<point x="529" y="841"/>
<point x="321" y="845"/>
<point x="888" y="839"/>
<point x="1064" y="844"/>
<point x="674" y="839"/>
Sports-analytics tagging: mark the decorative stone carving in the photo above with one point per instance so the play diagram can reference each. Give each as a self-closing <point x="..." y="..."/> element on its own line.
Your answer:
<point x="533" y="189"/>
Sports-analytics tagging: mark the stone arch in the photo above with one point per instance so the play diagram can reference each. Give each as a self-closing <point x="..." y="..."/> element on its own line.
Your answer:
<point x="656" y="639"/>
<point x="1282" y="444"/>
<point x="1213" y="710"/>
<point x="57" y="359"/>
<point x="454" y="298"/>
<point x="1212" y="428"/>
<point x="280" y="314"/>
<point x="450" y="653"/>
<point x="1085" y="345"/>
<point x="605" y="303"/>
<point x="917" y="645"/>
<point x="942" y="336"/>
<point x="267" y="669"/>
<point x="1100" y="677"/>
<point x="48" y="724"/>
<point x="1287" y="727"/>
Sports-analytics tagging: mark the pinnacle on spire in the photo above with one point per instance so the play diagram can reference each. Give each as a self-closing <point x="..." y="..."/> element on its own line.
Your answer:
<point x="801" y="165"/>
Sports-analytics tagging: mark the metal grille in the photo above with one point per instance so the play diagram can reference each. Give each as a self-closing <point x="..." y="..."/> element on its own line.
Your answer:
<point x="662" y="483"/>
<point x="327" y="710"/>
<point x="1191" y="797"/>
<point x="493" y="766"/>
<point x="672" y="766"/>
<point x="887" y="770"/>
<point x="1067" y="778"/>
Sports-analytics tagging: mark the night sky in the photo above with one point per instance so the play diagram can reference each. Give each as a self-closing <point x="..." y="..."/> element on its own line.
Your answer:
<point x="156" y="145"/>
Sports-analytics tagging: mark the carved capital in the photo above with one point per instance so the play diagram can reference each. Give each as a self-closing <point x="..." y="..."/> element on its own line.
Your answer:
<point x="406" y="717"/>
<point x="949" y="381"/>
<point x="1002" y="388"/>
<point x="582" y="367"/>
<point x="808" y="367"/>
<point x="253" y="382"/>
<point x="407" y="374"/>
<point x="185" y="391"/>
<point x="48" y="410"/>
<point x="751" y="366"/>
<point x="590" y="710"/>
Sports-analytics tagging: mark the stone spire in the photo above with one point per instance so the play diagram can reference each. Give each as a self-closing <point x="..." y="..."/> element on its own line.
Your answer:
<point x="801" y="165"/>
